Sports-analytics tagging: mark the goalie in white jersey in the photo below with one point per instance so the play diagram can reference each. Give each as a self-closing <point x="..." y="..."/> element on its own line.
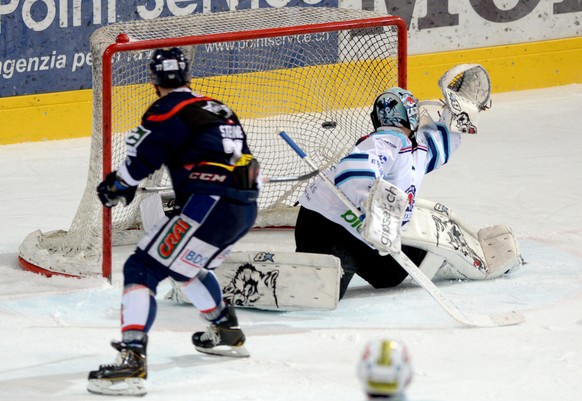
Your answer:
<point x="402" y="149"/>
<point x="400" y="153"/>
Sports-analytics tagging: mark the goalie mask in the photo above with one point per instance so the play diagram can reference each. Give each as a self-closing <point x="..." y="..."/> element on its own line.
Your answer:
<point x="396" y="107"/>
<point x="384" y="368"/>
<point x="169" y="68"/>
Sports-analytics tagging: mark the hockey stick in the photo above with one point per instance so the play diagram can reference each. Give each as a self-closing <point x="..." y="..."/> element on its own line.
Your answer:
<point x="266" y="180"/>
<point x="270" y="180"/>
<point x="463" y="317"/>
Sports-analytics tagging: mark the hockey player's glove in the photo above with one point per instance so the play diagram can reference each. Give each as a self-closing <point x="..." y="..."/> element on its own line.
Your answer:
<point x="113" y="190"/>
<point x="246" y="172"/>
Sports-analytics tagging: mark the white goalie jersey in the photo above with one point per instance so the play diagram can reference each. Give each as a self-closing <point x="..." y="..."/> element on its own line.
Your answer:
<point x="388" y="154"/>
<point x="454" y="249"/>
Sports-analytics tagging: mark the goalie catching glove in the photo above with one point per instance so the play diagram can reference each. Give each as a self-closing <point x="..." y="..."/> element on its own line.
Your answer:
<point x="467" y="91"/>
<point x="113" y="190"/>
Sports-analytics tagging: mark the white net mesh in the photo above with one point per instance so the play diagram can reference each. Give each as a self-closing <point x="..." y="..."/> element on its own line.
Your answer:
<point x="294" y="81"/>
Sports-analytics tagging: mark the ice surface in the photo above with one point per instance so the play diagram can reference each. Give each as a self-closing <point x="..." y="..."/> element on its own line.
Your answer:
<point x="524" y="169"/>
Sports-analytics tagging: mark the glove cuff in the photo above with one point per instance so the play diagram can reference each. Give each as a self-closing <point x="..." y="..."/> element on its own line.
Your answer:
<point x="120" y="185"/>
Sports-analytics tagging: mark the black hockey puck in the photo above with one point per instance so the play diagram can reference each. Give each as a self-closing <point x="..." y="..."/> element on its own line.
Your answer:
<point x="329" y="124"/>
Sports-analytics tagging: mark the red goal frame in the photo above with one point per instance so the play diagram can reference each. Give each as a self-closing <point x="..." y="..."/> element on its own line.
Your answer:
<point x="123" y="45"/>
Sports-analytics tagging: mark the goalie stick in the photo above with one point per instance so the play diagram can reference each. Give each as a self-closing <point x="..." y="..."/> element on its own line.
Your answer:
<point x="463" y="317"/>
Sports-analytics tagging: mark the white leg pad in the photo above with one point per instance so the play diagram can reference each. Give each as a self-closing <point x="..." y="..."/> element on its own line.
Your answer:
<point x="456" y="250"/>
<point x="431" y="264"/>
<point x="275" y="280"/>
<point x="500" y="250"/>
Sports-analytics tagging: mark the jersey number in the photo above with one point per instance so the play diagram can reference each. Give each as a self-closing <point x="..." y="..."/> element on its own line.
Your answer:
<point x="232" y="141"/>
<point x="134" y="138"/>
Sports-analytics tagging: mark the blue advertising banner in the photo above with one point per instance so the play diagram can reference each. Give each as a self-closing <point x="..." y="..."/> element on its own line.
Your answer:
<point x="44" y="44"/>
<point x="283" y="52"/>
<point x="239" y="57"/>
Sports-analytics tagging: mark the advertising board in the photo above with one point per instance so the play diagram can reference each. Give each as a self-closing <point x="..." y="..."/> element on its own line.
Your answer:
<point x="45" y="43"/>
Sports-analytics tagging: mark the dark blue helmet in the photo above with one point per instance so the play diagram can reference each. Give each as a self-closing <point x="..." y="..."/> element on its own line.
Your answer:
<point x="169" y="68"/>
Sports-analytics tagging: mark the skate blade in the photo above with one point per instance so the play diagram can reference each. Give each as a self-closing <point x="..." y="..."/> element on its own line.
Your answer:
<point x="135" y="387"/>
<point x="225" y="350"/>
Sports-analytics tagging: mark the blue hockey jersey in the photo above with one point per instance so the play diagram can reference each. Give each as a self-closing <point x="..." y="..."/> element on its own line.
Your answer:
<point x="198" y="139"/>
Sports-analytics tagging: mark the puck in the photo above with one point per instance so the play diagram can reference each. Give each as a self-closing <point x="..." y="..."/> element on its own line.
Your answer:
<point x="329" y="124"/>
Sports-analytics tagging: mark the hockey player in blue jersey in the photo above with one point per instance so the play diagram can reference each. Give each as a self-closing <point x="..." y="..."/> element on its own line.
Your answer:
<point x="204" y="147"/>
<point x="400" y="153"/>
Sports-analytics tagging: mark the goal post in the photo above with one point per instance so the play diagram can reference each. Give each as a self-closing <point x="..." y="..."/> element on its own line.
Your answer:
<point x="312" y="71"/>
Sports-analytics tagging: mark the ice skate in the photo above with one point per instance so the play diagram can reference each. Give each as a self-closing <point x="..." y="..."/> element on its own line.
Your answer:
<point x="124" y="377"/>
<point x="222" y="338"/>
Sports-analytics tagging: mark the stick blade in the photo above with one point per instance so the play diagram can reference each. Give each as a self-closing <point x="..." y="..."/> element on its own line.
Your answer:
<point x="508" y="319"/>
<point x="494" y="320"/>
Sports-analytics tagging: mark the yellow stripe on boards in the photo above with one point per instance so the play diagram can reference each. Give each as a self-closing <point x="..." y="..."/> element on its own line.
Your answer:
<point x="511" y="68"/>
<point x="49" y="116"/>
<point x="515" y="67"/>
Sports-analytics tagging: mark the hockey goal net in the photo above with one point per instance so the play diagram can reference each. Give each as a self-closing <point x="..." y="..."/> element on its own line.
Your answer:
<point x="312" y="71"/>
